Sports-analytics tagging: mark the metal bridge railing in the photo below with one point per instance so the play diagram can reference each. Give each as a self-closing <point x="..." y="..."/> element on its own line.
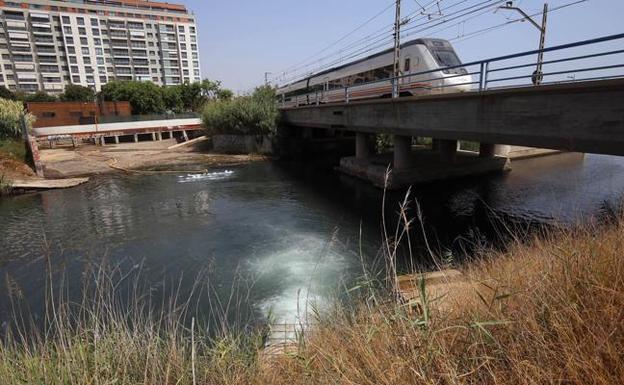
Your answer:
<point x="594" y="59"/>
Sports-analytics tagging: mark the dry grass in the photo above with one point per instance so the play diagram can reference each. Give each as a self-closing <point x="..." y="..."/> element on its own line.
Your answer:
<point x="550" y="311"/>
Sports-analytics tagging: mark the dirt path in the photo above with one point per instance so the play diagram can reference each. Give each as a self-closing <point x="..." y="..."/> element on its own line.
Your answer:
<point x="93" y="160"/>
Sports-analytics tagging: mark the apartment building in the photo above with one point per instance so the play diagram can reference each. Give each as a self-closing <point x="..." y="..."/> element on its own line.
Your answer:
<point x="47" y="44"/>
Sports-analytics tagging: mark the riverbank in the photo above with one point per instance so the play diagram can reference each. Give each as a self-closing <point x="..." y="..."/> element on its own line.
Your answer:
<point x="85" y="161"/>
<point x="97" y="160"/>
<point x="548" y="310"/>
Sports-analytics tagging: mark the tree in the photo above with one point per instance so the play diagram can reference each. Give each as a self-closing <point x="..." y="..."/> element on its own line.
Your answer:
<point x="225" y="94"/>
<point x="77" y="93"/>
<point x="172" y="97"/>
<point x="5" y="93"/>
<point x="39" y="96"/>
<point x="192" y="98"/>
<point x="144" y="97"/>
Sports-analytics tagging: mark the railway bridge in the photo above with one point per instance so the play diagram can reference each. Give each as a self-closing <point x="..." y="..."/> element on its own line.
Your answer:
<point x="581" y="115"/>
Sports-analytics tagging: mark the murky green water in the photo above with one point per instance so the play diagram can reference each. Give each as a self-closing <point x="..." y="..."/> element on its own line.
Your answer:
<point x="287" y="232"/>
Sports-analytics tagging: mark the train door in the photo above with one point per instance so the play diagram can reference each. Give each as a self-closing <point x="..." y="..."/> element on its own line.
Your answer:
<point x="405" y="69"/>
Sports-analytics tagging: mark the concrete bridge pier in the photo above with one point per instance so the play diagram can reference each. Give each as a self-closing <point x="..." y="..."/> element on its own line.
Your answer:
<point x="402" y="152"/>
<point x="362" y="146"/>
<point x="116" y="139"/>
<point x="447" y="149"/>
<point x="136" y="138"/>
<point x="490" y="150"/>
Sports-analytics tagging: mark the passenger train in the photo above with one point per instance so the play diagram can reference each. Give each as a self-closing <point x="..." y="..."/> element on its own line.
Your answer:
<point x="364" y="78"/>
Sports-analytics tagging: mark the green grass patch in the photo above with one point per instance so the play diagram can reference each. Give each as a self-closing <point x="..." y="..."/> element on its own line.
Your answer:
<point x="13" y="148"/>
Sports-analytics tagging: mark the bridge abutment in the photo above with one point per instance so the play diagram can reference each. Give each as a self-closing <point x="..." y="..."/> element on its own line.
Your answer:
<point x="447" y="150"/>
<point x="402" y="152"/>
<point x="490" y="150"/>
<point x="362" y="146"/>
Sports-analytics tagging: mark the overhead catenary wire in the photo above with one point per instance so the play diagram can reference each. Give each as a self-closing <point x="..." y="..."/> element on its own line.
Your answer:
<point x="502" y="25"/>
<point x="371" y="44"/>
<point x="384" y="31"/>
<point x="347" y="35"/>
<point x="366" y="41"/>
<point x="375" y="43"/>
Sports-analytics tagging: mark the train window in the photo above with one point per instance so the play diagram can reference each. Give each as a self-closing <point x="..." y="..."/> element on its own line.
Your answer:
<point x="446" y="58"/>
<point x="406" y="66"/>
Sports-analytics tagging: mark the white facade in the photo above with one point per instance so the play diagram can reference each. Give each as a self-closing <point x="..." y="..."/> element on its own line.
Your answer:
<point x="45" y="44"/>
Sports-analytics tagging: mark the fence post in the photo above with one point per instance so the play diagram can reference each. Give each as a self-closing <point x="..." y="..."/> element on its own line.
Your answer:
<point x="481" y="76"/>
<point x="32" y="149"/>
<point x="485" y="75"/>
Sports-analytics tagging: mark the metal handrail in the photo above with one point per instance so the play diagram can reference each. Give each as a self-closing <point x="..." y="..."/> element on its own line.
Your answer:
<point x="484" y="70"/>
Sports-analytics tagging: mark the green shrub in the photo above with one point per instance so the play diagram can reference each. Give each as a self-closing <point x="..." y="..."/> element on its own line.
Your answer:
<point x="5" y="93"/>
<point x="144" y="97"/>
<point x="39" y="96"/>
<point x="256" y="114"/>
<point x="10" y="115"/>
<point x="78" y="93"/>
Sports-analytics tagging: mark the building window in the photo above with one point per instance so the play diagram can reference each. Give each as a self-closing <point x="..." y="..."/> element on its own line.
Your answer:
<point x="76" y="79"/>
<point x="82" y="31"/>
<point x="84" y="41"/>
<point x="67" y="29"/>
<point x="94" y="21"/>
<point x="85" y="50"/>
<point x="48" y="114"/>
<point x="65" y="19"/>
<point x="80" y="20"/>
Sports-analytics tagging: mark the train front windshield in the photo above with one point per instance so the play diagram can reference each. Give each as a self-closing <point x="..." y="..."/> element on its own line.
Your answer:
<point x="446" y="58"/>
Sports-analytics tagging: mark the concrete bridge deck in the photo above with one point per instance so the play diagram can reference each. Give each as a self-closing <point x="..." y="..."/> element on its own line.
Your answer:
<point x="156" y="130"/>
<point x="583" y="116"/>
<point x="120" y="128"/>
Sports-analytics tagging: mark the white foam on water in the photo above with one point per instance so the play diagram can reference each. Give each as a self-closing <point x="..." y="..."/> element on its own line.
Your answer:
<point x="217" y="175"/>
<point x="303" y="269"/>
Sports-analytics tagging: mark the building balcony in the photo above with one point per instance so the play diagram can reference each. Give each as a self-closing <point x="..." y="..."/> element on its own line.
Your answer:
<point x="44" y="40"/>
<point x="42" y="32"/>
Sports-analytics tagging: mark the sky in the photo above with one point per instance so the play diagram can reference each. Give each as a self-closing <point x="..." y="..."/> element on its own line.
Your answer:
<point x="240" y="40"/>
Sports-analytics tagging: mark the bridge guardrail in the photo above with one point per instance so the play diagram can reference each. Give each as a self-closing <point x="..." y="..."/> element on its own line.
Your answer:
<point x="143" y="118"/>
<point x="506" y="71"/>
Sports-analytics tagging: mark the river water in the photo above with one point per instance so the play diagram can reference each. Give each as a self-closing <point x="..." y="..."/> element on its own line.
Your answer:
<point x="283" y="233"/>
